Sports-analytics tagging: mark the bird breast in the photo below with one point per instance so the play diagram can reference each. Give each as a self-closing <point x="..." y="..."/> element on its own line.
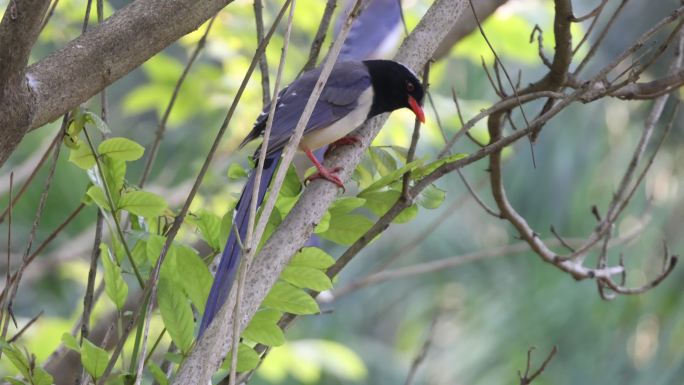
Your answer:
<point x="324" y="136"/>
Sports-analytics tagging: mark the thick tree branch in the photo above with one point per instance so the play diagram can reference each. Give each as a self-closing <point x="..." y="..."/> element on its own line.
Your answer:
<point x="19" y="29"/>
<point x="96" y="59"/>
<point x="296" y="229"/>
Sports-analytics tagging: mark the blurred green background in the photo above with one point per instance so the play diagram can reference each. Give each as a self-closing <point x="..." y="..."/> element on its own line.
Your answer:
<point x="492" y="310"/>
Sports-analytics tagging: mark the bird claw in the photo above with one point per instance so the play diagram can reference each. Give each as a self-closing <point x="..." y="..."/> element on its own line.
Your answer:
<point x="329" y="175"/>
<point x="344" y="141"/>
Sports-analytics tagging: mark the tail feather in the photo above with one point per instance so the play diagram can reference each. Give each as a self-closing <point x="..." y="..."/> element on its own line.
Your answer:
<point x="230" y="258"/>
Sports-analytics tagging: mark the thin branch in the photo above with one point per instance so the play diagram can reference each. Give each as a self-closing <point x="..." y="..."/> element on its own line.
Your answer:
<point x="25" y="328"/>
<point x="594" y="15"/>
<point x="45" y="243"/>
<point x="317" y="42"/>
<point x="599" y="40"/>
<point x="406" y="178"/>
<point x="161" y="128"/>
<point x="263" y="62"/>
<point x="33" y="173"/>
<point x="12" y="290"/>
<point x="424" y="349"/>
<point x="49" y="14"/>
<point x="9" y="248"/>
<point x="92" y="273"/>
<point x="477" y="198"/>
<point x="527" y="379"/>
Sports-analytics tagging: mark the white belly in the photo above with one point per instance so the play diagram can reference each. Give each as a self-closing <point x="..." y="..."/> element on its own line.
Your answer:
<point x="319" y="138"/>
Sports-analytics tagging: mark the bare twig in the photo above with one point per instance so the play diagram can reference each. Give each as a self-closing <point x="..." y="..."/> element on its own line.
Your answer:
<point x="25" y="328"/>
<point x="406" y="178"/>
<point x="317" y="42"/>
<point x="12" y="290"/>
<point x="9" y="248"/>
<point x="161" y="128"/>
<point x="527" y="378"/>
<point x="33" y="173"/>
<point x="424" y="349"/>
<point x="263" y="61"/>
<point x="49" y="14"/>
<point x="599" y="40"/>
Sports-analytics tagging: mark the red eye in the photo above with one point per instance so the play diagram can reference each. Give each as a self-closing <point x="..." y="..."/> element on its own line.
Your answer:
<point x="410" y="87"/>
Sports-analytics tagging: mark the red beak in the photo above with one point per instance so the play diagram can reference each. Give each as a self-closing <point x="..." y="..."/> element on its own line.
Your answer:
<point x="416" y="108"/>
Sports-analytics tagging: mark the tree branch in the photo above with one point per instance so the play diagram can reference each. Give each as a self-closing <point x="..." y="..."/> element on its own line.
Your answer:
<point x="297" y="227"/>
<point x="96" y="59"/>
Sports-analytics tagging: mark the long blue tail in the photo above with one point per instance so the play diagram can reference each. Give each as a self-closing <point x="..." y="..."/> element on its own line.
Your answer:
<point x="230" y="259"/>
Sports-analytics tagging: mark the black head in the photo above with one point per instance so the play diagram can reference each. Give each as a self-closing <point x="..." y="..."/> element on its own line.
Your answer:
<point x="394" y="86"/>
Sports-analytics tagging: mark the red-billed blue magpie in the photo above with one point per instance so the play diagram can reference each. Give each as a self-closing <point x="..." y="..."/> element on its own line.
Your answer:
<point x="355" y="91"/>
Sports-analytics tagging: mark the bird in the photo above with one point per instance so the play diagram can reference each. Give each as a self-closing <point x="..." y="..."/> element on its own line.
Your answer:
<point x="354" y="92"/>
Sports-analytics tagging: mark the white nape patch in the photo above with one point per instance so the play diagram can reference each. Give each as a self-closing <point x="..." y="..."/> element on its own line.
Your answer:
<point x="319" y="138"/>
<point x="294" y="94"/>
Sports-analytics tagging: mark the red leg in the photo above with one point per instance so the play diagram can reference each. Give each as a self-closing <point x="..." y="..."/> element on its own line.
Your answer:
<point x="344" y="141"/>
<point x="324" y="173"/>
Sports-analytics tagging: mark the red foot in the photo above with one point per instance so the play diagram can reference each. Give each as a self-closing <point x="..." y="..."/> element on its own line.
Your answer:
<point x="344" y="141"/>
<point x="329" y="175"/>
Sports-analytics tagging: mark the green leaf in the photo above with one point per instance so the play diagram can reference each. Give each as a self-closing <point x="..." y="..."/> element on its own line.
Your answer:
<point x="143" y="203"/>
<point x="41" y="377"/>
<point x="98" y="196"/>
<point x="236" y="171"/>
<point x="94" y="359"/>
<point x="429" y="168"/>
<point x="248" y="359"/>
<point x="209" y="225"/>
<point x="384" y="161"/>
<point x="378" y="202"/>
<point x="114" y="171"/>
<point x="157" y="373"/>
<point x="312" y="257"/>
<point x="14" y="381"/>
<point x="285" y="297"/>
<point x="292" y="186"/>
<point x="306" y="278"/>
<point x="324" y="224"/>
<point x="431" y="197"/>
<point x="121" y="148"/>
<point x="18" y="359"/>
<point x="95" y="119"/>
<point x="197" y="278"/>
<point x="346" y="229"/>
<point x="70" y="342"/>
<point x="176" y="358"/>
<point x="345" y="205"/>
<point x="264" y="329"/>
<point x="391" y="177"/>
<point x="176" y="313"/>
<point x="115" y="286"/>
<point x="82" y="157"/>
<point x="363" y="176"/>
<point x="284" y="204"/>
